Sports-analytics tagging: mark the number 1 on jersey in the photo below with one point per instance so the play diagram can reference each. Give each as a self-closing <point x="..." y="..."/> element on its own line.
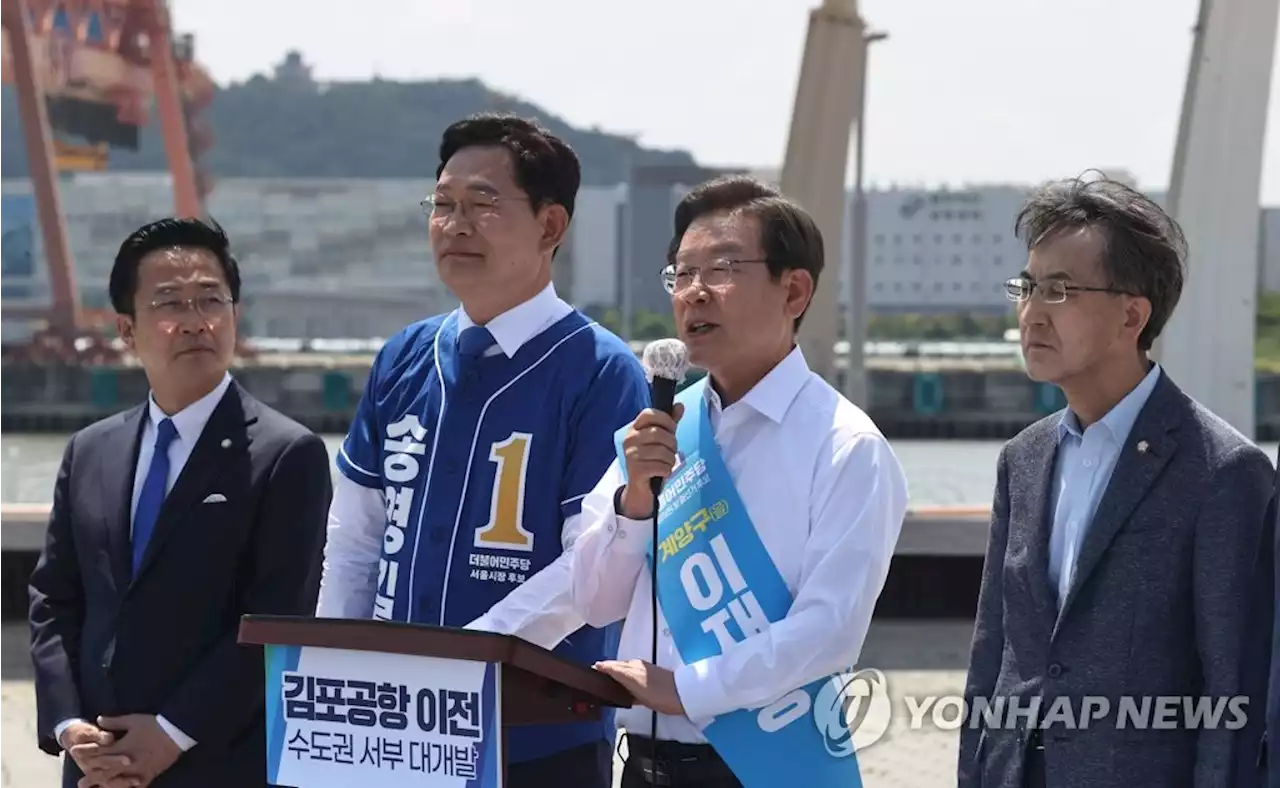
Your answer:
<point x="505" y="529"/>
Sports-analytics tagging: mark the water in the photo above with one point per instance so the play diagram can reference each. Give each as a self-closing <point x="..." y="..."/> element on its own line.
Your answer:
<point x="939" y="472"/>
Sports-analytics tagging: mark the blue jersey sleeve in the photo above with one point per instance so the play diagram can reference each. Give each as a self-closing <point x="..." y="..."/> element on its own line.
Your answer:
<point x="614" y="399"/>
<point x="359" y="456"/>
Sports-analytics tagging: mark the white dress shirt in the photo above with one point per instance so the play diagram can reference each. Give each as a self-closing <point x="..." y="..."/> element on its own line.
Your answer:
<point x="539" y="610"/>
<point x="188" y="423"/>
<point x="827" y="497"/>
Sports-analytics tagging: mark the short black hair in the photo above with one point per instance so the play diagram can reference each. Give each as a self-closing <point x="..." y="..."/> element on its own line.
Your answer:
<point x="164" y="234"/>
<point x="1144" y="249"/>
<point x="546" y="168"/>
<point x="788" y="234"/>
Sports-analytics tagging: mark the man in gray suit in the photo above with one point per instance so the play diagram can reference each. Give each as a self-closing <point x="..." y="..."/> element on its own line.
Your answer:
<point x="1123" y="529"/>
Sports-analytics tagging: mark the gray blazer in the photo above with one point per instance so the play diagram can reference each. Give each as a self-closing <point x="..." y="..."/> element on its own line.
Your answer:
<point x="1155" y="609"/>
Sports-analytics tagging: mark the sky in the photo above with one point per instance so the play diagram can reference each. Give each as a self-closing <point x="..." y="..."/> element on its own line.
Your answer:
<point x="975" y="92"/>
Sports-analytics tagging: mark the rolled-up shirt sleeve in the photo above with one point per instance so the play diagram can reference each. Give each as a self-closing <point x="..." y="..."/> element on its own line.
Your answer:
<point x="608" y="556"/>
<point x="857" y="511"/>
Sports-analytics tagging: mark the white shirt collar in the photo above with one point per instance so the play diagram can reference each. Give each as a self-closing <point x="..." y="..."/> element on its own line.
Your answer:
<point x="775" y="392"/>
<point x="518" y="325"/>
<point x="189" y="422"/>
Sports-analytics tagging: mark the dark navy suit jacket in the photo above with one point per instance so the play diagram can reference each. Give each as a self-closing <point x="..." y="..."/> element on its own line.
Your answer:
<point x="107" y="642"/>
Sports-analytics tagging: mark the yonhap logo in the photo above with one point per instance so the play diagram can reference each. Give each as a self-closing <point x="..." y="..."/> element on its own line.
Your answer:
<point x="852" y="711"/>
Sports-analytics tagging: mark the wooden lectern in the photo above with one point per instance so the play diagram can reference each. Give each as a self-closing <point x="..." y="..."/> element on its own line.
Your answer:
<point x="340" y="684"/>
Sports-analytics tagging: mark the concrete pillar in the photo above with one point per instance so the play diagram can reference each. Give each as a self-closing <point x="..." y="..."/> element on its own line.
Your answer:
<point x="1214" y="194"/>
<point x="813" y="172"/>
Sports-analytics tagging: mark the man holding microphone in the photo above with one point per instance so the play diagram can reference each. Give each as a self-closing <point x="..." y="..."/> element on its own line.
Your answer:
<point x="775" y="530"/>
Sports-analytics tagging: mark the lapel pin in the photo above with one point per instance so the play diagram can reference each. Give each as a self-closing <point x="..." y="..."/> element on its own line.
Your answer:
<point x="226" y="444"/>
<point x="1143" y="446"/>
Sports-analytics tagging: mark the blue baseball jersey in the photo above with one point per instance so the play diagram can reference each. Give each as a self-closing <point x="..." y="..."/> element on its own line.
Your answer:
<point x="481" y="462"/>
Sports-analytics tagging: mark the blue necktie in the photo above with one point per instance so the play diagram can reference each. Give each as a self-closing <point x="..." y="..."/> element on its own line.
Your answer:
<point x="473" y="342"/>
<point x="153" y="492"/>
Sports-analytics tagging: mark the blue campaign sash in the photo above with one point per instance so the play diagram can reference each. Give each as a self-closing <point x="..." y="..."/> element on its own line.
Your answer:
<point x="714" y="572"/>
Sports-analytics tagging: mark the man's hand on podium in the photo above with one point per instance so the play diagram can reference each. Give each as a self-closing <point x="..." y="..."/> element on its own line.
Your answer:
<point x="652" y="687"/>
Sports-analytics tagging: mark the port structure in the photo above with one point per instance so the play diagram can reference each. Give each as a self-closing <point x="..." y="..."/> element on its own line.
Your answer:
<point x="87" y="75"/>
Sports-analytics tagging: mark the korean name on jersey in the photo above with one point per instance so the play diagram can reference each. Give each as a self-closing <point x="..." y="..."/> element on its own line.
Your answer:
<point x="481" y="463"/>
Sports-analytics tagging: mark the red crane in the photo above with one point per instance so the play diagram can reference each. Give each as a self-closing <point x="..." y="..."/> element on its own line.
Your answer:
<point x="77" y="58"/>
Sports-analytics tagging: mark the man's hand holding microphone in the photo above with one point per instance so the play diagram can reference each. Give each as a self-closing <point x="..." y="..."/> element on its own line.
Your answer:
<point x="650" y="445"/>
<point x="650" y="451"/>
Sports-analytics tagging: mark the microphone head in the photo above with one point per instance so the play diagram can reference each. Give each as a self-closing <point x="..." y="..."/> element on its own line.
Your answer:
<point x="665" y="358"/>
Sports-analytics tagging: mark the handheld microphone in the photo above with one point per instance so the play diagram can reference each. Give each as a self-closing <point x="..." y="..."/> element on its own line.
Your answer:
<point x="666" y="361"/>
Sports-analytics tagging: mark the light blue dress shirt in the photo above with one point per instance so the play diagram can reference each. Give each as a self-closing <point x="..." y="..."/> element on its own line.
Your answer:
<point x="1083" y="469"/>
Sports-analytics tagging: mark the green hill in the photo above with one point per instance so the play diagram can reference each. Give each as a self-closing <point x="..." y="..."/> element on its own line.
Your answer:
<point x="287" y="125"/>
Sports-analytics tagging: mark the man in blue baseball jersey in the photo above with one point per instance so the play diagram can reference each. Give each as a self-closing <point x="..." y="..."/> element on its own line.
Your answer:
<point x="480" y="431"/>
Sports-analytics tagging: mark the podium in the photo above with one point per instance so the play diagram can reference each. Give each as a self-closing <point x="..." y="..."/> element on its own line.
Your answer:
<point x="378" y="704"/>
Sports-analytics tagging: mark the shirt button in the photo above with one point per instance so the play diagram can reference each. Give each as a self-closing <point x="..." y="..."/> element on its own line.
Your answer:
<point x="609" y="528"/>
<point x="1088" y="463"/>
<point x="1055" y="670"/>
<point x="666" y="632"/>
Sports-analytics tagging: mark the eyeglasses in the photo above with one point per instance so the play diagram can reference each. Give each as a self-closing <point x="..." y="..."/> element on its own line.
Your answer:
<point x="1052" y="291"/>
<point x="678" y="279"/>
<point x="208" y="305"/>
<point x="475" y="208"/>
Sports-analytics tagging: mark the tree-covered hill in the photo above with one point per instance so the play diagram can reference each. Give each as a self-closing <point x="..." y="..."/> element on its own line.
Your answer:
<point x="287" y="125"/>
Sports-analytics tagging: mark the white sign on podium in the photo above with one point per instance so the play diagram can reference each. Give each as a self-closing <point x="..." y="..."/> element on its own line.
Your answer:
<point x="377" y="720"/>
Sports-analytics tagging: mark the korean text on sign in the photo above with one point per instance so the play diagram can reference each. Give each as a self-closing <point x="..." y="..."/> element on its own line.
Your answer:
<point x="367" y="704"/>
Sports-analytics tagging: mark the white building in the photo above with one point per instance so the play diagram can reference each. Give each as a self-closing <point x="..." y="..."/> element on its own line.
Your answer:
<point x="949" y="250"/>
<point x="940" y="251"/>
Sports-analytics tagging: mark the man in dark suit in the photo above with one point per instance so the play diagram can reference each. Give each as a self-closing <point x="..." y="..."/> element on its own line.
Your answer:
<point x="1123" y="530"/>
<point x="169" y="522"/>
